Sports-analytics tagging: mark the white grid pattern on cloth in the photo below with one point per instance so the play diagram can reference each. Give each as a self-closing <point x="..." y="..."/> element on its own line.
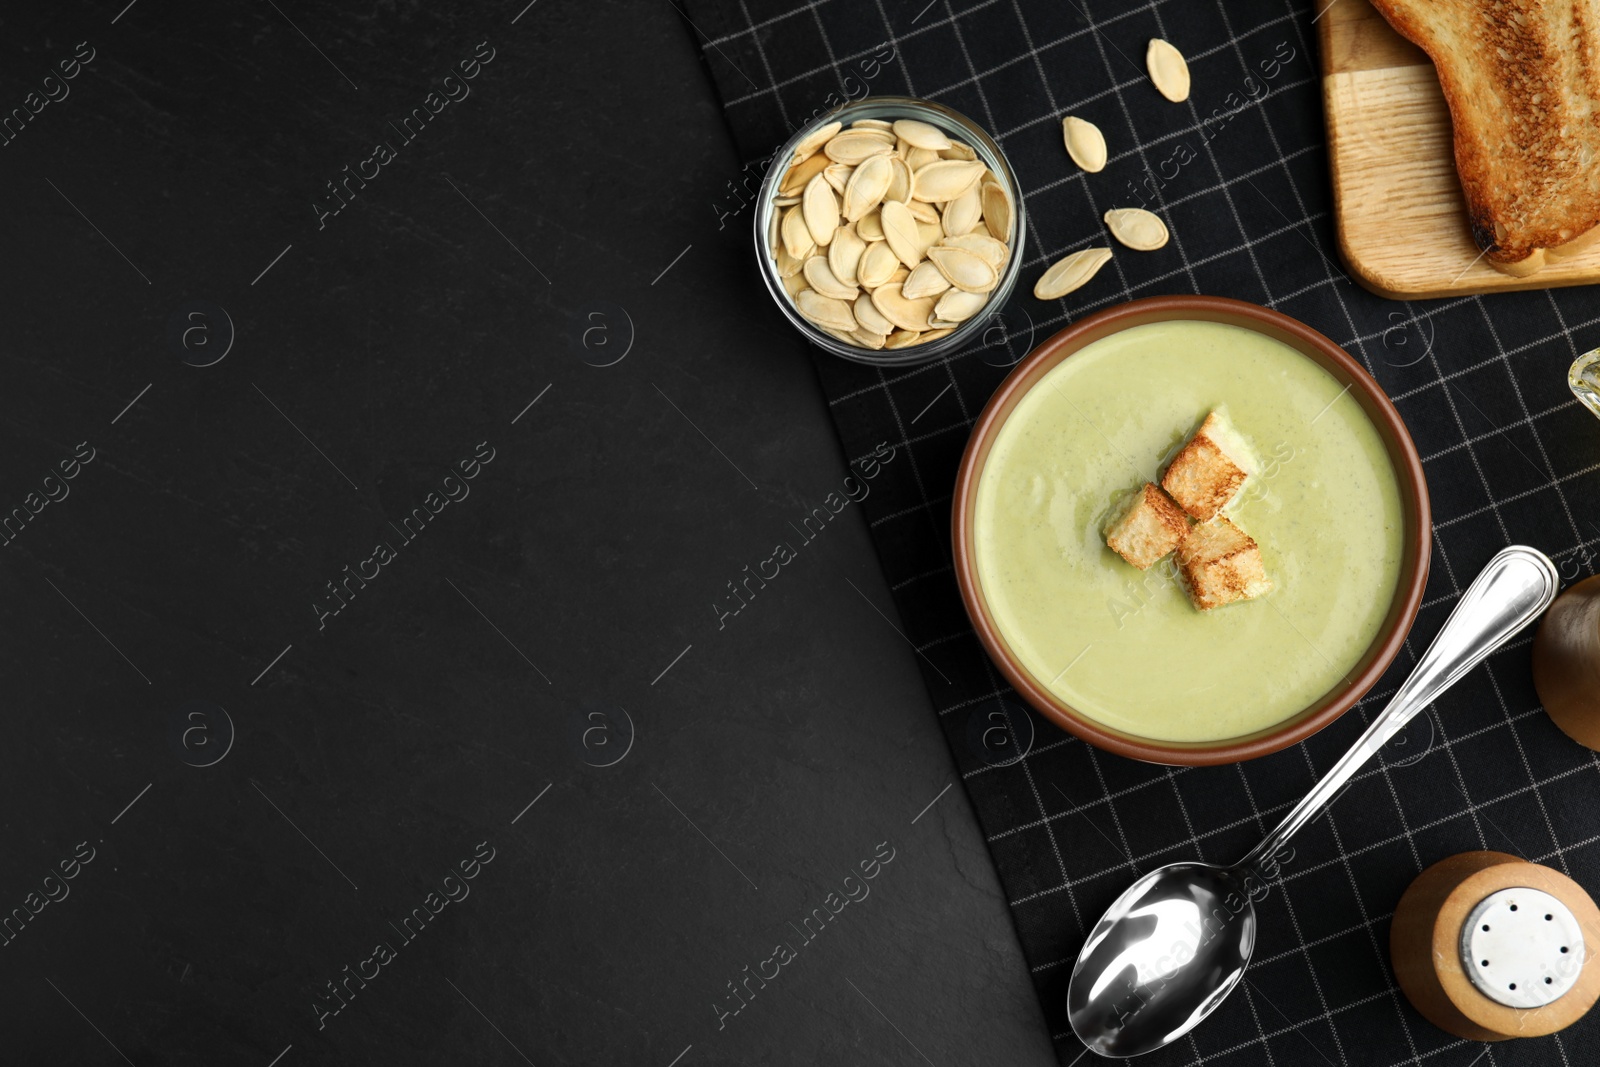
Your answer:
<point x="1333" y="882"/>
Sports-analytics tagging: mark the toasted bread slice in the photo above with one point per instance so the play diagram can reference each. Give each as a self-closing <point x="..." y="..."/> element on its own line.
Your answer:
<point x="1151" y="527"/>
<point x="1208" y="472"/>
<point x="1522" y="79"/>
<point x="1221" y="564"/>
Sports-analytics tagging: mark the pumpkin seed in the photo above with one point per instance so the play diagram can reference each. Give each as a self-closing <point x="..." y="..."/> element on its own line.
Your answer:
<point x="821" y="210"/>
<point x="922" y="211"/>
<point x="904" y="313"/>
<point x="870" y="227"/>
<point x="789" y="266"/>
<point x="925" y="279"/>
<point x="870" y="319"/>
<point x="838" y="175"/>
<point x="1085" y="143"/>
<point x="986" y="246"/>
<point x="917" y="158"/>
<point x="814" y="140"/>
<point x="928" y="235"/>
<point x="921" y="134"/>
<point x="1137" y="228"/>
<point x="866" y="187"/>
<point x="877" y="265"/>
<point x="944" y="180"/>
<point x="825" y="310"/>
<point x="957" y="150"/>
<point x="872" y="124"/>
<point x="997" y="211"/>
<point x="796" y="236"/>
<point x="794" y="283"/>
<point x="785" y="201"/>
<point x="900" y="181"/>
<point x="822" y="279"/>
<point x="931" y="335"/>
<point x="958" y="305"/>
<point x="1070" y="272"/>
<point x="1168" y="70"/>
<point x="844" y="254"/>
<point x="901" y="147"/>
<point x="963" y="213"/>
<point x="900" y="232"/>
<point x="901" y="339"/>
<point x="856" y="145"/>
<point x="866" y="339"/>
<point x="794" y="182"/>
<point x="966" y="270"/>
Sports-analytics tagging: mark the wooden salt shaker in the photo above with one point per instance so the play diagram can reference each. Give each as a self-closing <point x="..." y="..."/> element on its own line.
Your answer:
<point x="1566" y="662"/>
<point x="1489" y="947"/>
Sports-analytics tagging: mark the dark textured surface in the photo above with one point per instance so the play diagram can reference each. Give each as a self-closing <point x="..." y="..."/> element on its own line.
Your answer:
<point x="1239" y="174"/>
<point x="379" y="751"/>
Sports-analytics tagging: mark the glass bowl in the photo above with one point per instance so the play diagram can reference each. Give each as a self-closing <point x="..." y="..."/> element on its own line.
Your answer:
<point x="953" y="124"/>
<point x="1584" y="378"/>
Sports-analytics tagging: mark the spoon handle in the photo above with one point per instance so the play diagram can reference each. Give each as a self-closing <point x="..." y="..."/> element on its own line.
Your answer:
<point x="1515" y="587"/>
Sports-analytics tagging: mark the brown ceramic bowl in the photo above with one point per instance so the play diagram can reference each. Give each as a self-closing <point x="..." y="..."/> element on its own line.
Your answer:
<point x="1416" y="543"/>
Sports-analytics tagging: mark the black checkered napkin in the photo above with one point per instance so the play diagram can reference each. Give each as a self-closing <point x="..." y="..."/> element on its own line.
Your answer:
<point x="1239" y="173"/>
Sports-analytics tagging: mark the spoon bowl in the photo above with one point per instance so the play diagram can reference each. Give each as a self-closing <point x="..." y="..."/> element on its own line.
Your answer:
<point x="1169" y="950"/>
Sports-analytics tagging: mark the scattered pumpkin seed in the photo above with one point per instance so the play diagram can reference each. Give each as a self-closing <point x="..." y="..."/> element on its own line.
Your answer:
<point x="1070" y="272"/>
<point x="1137" y="228"/>
<point x="1085" y="143"/>
<point x="1168" y="70"/>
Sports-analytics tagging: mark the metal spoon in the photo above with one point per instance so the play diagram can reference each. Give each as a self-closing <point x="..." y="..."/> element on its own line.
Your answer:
<point x="1175" y="944"/>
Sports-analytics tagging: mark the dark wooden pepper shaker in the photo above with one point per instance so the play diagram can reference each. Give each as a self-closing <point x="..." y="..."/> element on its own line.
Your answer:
<point x="1566" y="662"/>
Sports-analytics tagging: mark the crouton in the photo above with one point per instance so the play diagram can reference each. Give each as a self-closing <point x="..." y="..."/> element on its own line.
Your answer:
<point x="1151" y="527"/>
<point x="1208" y="472"/>
<point x="1220" y="564"/>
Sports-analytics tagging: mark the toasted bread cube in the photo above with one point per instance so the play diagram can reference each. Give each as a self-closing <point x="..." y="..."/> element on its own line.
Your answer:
<point x="1151" y="527"/>
<point x="1208" y="472"/>
<point x="1220" y="564"/>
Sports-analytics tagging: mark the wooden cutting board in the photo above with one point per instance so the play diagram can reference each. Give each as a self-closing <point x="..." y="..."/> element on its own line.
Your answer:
<point x="1401" y="219"/>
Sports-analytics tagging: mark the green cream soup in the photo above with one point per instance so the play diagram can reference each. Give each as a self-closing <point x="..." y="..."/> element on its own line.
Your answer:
<point x="1125" y="647"/>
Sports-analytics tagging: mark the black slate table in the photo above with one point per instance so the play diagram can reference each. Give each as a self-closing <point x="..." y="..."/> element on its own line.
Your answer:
<point x="546" y="240"/>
